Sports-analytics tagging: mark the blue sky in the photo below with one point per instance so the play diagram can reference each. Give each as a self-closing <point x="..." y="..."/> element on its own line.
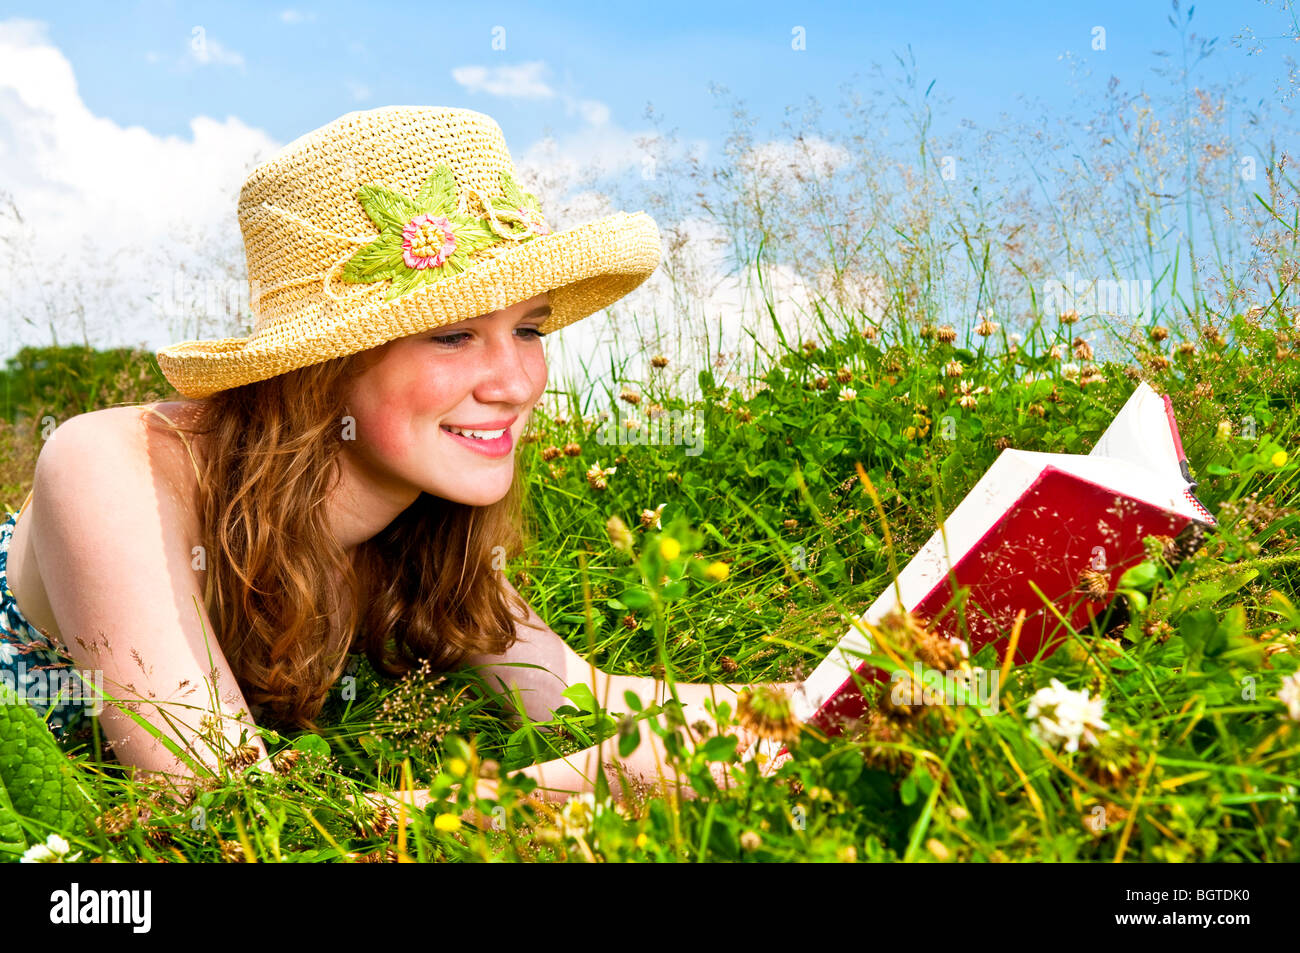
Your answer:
<point x="118" y="120"/>
<point x="299" y="72"/>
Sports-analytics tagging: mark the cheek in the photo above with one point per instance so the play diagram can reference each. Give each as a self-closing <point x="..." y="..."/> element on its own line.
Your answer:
<point x="397" y="403"/>
<point x="538" y="372"/>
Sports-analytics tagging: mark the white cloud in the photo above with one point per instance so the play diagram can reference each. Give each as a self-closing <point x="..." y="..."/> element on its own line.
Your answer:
<point x="206" y="50"/>
<point x="110" y="215"/>
<point x="526" y="81"/>
<point x="296" y="16"/>
<point x="511" y="82"/>
<point x="594" y="112"/>
<point x="358" y="92"/>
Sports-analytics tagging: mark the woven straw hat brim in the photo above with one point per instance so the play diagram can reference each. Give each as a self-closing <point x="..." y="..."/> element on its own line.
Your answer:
<point x="583" y="269"/>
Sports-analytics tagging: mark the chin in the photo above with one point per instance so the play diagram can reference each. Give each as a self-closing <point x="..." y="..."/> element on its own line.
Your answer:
<point x="477" y="495"/>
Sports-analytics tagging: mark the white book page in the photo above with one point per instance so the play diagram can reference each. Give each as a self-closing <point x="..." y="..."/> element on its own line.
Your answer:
<point x="1140" y="433"/>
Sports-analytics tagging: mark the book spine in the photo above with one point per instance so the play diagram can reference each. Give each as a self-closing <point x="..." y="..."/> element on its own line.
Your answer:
<point x="1178" y="442"/>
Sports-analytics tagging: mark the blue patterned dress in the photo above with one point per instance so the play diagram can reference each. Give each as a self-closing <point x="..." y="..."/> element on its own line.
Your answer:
<point x="33" y="664"/>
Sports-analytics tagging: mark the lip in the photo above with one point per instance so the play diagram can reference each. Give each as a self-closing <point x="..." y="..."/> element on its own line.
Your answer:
<point x="500" y="447"/>
<point x="506" y="422"/>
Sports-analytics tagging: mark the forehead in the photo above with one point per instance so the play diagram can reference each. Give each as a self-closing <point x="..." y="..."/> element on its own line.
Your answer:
<point x="513" y="312"/>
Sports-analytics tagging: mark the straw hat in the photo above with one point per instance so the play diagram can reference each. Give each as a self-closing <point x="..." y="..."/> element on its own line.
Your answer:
<point x="394" y="221"/>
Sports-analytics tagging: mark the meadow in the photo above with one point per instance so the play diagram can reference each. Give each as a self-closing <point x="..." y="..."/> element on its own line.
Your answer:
<point x="820" y="467"/>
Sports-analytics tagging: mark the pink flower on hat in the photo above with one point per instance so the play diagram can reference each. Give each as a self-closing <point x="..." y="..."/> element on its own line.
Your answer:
<point x="429" y="237"/>
<point x="427" y="241"/>
<point x="533" y="219"/>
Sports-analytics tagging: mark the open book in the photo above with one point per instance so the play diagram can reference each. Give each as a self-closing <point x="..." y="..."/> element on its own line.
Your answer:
<point x="1033" y="519"/>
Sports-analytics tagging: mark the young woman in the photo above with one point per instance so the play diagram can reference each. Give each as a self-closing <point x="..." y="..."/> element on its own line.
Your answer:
<point x="345" y="478"/>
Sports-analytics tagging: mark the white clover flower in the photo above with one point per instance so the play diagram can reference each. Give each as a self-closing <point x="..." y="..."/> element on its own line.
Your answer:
<point x="1058" y="714"/>
<point x="53" y="851"/>
<point x="1070" y="371"/>
<point x="651" y="517"/>
<point x="1290" y="695"/>
<point x="580" y="812"/>
<point x="847" y="393"/>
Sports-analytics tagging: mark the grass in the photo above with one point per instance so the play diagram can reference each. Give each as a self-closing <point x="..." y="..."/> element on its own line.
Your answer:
<point x="827" y="461"/>
<point x="1200" y="762"/>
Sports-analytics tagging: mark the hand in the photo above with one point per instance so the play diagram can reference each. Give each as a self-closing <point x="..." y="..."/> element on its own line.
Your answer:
<point x="721" y="770"/>
<point x="484" y="788"/>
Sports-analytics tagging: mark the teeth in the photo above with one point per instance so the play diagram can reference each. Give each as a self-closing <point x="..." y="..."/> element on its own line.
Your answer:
<point x="477" y="434"/>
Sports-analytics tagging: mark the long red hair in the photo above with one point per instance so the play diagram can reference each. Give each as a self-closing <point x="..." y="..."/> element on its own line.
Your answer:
<point x="427" y="585"/>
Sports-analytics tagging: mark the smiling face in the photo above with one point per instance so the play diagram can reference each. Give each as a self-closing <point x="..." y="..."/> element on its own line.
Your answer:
<point x="413" y="407"/>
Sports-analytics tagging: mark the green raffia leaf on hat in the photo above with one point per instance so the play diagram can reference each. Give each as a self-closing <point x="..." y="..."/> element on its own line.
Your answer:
<point x="386" y="208"/>
<point x="384" y="259"/>
<point x="377" y="261"/>
<point x="517" y="196"/>
<point x="439" y="191"/>
<point x="515" y="199"/>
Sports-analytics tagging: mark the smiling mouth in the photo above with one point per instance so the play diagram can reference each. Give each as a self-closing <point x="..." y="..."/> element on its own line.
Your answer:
<point x="476" y="434"/>
<point x="489" y="443"/>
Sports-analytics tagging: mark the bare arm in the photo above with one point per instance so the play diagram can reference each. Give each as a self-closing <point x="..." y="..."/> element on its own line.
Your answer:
<point x="540" y="692"/>
<point x="112" y="541"/>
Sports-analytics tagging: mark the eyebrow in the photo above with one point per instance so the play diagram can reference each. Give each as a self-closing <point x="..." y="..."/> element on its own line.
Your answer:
<point x="542" y="310"/>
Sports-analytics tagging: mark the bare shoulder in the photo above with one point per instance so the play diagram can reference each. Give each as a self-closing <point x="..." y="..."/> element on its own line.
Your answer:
<point x="130" y="455"/>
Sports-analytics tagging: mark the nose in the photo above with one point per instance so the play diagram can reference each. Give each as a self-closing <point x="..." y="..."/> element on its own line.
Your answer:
<point x="509" y="370"/>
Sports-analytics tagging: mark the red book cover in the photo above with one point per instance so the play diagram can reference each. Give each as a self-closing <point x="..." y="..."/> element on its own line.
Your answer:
<point x="1033" y="519"/>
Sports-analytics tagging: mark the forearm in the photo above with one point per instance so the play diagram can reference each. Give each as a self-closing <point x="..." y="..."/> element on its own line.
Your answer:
<point x="611" y="689"/>
<point x="645" y="770"/>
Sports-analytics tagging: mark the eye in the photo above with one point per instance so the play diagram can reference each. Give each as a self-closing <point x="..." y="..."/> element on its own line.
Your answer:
<point x="454" y="340"/>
